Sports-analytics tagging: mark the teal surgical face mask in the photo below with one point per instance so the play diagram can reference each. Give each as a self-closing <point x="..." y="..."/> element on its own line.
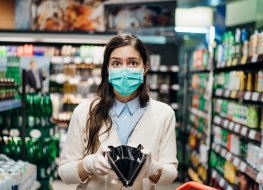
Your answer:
<point x="126" y="80"/>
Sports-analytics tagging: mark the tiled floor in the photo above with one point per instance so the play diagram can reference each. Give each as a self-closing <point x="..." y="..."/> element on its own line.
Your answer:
<point x="59" y="185"/>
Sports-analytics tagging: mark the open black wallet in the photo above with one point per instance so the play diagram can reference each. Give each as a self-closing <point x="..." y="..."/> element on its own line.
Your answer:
<point x="127" y="162"/>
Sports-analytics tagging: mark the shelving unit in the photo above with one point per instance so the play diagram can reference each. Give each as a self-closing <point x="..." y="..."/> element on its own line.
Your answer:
<point x="228" y="126"/>
<point x="221" y="181"/>
<point x="239" y="129"/>
<point x="240" y="164"/>
<point x="256" y="97"/>
<point x="199" y="113"/>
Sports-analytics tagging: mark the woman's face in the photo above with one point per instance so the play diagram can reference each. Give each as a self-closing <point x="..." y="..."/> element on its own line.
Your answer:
<point x="125" y="56"/>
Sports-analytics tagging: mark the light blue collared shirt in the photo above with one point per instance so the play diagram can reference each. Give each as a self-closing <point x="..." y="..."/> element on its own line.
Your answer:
<point x="125" y="116"/>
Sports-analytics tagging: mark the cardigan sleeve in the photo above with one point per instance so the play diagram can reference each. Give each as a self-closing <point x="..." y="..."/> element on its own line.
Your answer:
<point x="72" y="152"/>
<point x="167" y="152"/>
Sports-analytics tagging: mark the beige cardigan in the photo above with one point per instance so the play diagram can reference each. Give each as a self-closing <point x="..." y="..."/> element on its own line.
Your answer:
<point x="155" y="131"/>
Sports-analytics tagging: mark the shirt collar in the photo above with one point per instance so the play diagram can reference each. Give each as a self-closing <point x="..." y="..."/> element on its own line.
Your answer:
<point x="132" y="106"/>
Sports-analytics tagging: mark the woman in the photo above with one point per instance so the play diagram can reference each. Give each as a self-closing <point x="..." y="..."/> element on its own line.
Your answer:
<point x="122" y="113"/>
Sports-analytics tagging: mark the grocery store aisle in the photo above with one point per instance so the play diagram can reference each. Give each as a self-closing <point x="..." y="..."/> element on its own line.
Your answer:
<point x="58" y="185"/>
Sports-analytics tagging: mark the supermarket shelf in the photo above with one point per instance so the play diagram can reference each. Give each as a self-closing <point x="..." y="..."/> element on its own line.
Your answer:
<point x="241" y="63"/>
<point x="200" y="71"/>
<point x="237" y="128"/>
<point x="194" y="176"/>
<point x="198" y="158"/>
<point x="164" y="87"/>
<point x="197" y="91"/>
<point x="10" y="104"/>
<point x="165" y="69"/>
<point x="194" y="168"/>
<point x="222" y="181"/>
<point x="196" y="132"/>
<point x="199" y="113"/>
<point x="241" y="165"/>
<point x="241" y="95"/>
<point x="54" y="37"/>
<point x="81" y="62"/>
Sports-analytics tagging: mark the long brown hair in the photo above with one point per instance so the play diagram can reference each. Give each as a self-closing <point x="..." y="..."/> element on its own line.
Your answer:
<point x="100" y="107"/>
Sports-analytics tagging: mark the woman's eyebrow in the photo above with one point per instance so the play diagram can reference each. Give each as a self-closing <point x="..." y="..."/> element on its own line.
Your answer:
<point x="115" y="58"/>
<point x="127" y="58"/>
<point x="134" y="58"/>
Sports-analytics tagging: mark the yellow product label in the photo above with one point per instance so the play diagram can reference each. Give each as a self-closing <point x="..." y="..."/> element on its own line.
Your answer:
<point x="242" y="81"/>
<point x="234" y="62"/>
<point x="229" y="63"/>
<point x="249" y="82"/>
<point x="244" y="60"/>
<point x="233" y="94"/>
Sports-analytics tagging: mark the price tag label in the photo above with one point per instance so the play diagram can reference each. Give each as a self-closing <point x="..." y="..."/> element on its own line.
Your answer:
<point x="214" y="174"/>
<point x="223" y="152"/>
<point x="67" y="60"/>
<point x="165" y="87"/>
<point x="231" y="126"/>
<point x="35" y="133"/>
<point x="227" y="93"/>
<point x="219" y="92"/>
<point x="218" y="120"/>
<point x="243" y="166"/>
<point x="237" y="128"/>
<point x="163" y="68"/>
<point x="255" y="96"/>
<point x="175" y="68"/>
<point x="226" y="122"/>
<point x="222" y="182"/>
<point x="254" y="59"/>
<point x="252" y="134"/>
<point x="247" y="95"/>
<point x="228" y="156"/>
<point x="217" y="149"/>
<point x="175" y="87"/>
<point x="236" y="161"/>
<point x="244" y="131"/>
<point x="14" y="133"/>
<point x="213" y="146"/>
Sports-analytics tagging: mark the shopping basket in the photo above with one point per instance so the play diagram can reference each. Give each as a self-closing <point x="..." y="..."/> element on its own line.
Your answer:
<point x="191" y="185"/>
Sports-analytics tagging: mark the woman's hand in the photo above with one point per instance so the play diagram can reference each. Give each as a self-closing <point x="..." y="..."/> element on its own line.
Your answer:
<point x="97" y="164"/>
<point x="151" y="168"/>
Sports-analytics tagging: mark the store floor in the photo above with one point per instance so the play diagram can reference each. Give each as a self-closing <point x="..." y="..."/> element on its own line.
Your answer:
<point x="59" y="185"/>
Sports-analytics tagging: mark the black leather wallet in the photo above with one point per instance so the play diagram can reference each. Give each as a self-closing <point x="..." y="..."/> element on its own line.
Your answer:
<point x="127" y="162"/>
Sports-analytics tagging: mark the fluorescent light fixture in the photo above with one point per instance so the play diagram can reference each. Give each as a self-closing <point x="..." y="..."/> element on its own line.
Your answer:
<point x="188" y="29"/>
<point x="194" y="17"/>
<point x="152" y="39"/>
<point x="247" y="12"/>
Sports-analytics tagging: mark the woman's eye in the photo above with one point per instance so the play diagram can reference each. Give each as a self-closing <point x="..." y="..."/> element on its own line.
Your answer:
<point x="115" y="63"/>
<point x="133" y="63"/>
